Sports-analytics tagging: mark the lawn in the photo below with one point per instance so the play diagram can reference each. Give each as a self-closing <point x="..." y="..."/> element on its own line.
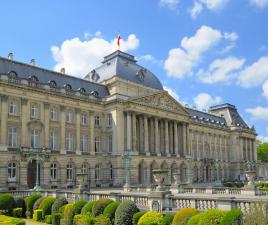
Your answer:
<point x="6" y="220"/>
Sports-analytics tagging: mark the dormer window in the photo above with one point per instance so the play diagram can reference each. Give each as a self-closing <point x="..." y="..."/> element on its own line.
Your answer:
<point x="52" y="84"/>
<point x="141" y="74"/>
<point x="33" y="81"/>
<point x="95" y="94"/>
<point x="13" y="77"/>
<point x="94" y="76"/>
<point x="82" y="90"/>
<point x="67" y="87"/>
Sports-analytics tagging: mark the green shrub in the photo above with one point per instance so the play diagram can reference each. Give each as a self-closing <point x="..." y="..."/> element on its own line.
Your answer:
<point x="6" y="220"/>
<point x="30" y="200"/>
<point x="125" y="212"/>
<point x="167" y="220"/>
<point x="20" y="203"/>
<point x="37" y="203"/>
<point x="7" y="202"/>
<point x="232" y="217"/>
<point x="88" y="207"/>
<point x="61" y="209"/>
<point x="77" y="218"/>
<point x="109" y="211"/>
<point x="212" y="217"/>
<point x="48" y="219"/>
<point x="68" y="214"/>
<point x="136" y="217"/>
<point x="100" y="205"/>
<point x="17" y="212"/>
<point x="182" y="216"/>
<point x="37" y="215"/>
<point x="78" y="206"/>
<point x="194" y="220"/>
<point x="102" y="220"/>
<point x="151" y="217"/>
<point x="46" y="205"/>
<point x="87" y="219"/>
<point x="56" y="218"/>
<point x="58" y="204"/>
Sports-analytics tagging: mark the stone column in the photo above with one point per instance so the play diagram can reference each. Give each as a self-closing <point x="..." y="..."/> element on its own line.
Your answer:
<point x="166" y="138"/>
<point x="141" y="134"/>
<point x="254" y="150"/>
<point x="146" y="136"/>
<point x="62" y="134"/>
<point x="176" y="150"/>
<point x="203" y="145"/>
<point x="46" y="124"/>
<point x="4" y="117"/>
<point x="226" y="149"/>
<point x="188" y="147"/>
<point x="242" y="156"/>
<point x="157" y="138"/>
<point x="170" y="136"/>
<point x="246" y="147"/>
<point x="78" y="121"/>
<point x="24" y="113"/>
<point x="151" y="147"/>
<point x="91" y="121"/>
<point x="184" y="139"/>
<point x="128" y="131"/>
<point x="134" y="133"/>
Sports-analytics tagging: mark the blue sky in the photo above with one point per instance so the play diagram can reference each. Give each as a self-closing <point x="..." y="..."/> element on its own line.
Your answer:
<point x="204" y="52"/>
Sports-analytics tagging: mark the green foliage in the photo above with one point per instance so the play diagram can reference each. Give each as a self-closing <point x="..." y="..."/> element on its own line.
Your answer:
<point x="78" y="205"/>
<point x="256" y="215"/>
<point x="262" y="152"/>
<point x="232" y="217"/>
<point x="77" y="218"/>
<point x="88" y="207"/>
<point x="61" y="209"/>
<point x="235" y="184"/>
<point x="136" y="217"/>
<point x="48" y="219"/>
<point x="68" y="214"/>
<point x="182" y="216"/>
<point x="6" y="220"/>
<point x="109" y="211"/>
<point x="17" y="212"/>
<point x="125" y="212"/>
<point x="151" y="218"/>
<point x="194" y="220"/>
<point x="100" y="205"/>
<point x="37" y="203"/>
<point x="20" y="203"/>
<point x="167" y="220"/>
<point x="30" y="200"/>
<point x="37" y="215"/>
<point x="56" y="218"/>
<point x="262" y="185"/>
<point x="102" y="220"/>
<point x="212" y="217"/>
<point x="87" y="219"/>
<point x="58" y="204"/>
<point x="7" y="203"/>
<point x="46" y="205"/>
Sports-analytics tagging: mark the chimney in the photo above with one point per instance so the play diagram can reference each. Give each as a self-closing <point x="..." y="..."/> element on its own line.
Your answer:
<point x="62" y="70"/>
<point x="10" y="56"/>
<point x="32" y="62"/>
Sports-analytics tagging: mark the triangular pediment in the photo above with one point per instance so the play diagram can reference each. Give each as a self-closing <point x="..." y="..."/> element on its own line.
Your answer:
<point x="161" y="100"/>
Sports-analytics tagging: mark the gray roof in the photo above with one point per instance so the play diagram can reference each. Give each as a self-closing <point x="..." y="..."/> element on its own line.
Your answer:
<point x="25" y="71"/>
<point x="208" y="118"/>
<point x="124" y="65"/>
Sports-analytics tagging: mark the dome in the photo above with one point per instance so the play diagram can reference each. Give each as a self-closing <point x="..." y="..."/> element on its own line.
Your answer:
<point x="123" y="65"/>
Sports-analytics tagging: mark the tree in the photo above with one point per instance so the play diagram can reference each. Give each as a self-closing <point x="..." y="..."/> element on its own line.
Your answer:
<point x="262" y="151"/>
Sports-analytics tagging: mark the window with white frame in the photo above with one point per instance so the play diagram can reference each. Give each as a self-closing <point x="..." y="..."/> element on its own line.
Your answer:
<point x="53" y="171"/>
<point x="84" y="143"/>
<point x="97" y="144"/>
<point x="35" y="138"/>
<point x="110" y="143"/>
<point x="12" y="170"/>
<point x="69" y="142"/>
<point x="13" y="109"/>
<point x="34" y="111"/>
<point x="12" y="136"/>
<point x="54" y="114"/>
<point x="110" y="120"/>
<point x="54" y="140"/>
<point x="97" y="172"/>
<point x="84" y="119"/>
<point x="70" y="172"/>
<point x="97" y="120"/>
<point x="69" y="117"/>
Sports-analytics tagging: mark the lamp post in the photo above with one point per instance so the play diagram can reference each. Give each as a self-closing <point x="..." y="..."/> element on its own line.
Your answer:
<point x="126" y="164"/>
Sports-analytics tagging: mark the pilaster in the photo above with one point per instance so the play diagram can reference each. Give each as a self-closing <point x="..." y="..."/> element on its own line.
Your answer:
<point x="62" y="133"/>
<point x="78" y="133"/>
<point x="4" y="116"/>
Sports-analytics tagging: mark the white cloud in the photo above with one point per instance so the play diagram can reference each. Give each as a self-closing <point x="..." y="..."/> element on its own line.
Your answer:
<point x="172" y="92"/>
<point x="258" y="113"/>
<point x="265" y="88"/>
<point x="231" y="36"/>
<point x="227" y="48"/>
<point x="259" y="3"/>
<point x="79" y="57"/>
<point x="254" y="74"/>
<point x="149" y="58"/>
<point x="181" y="60"/>
<point x="220" y="70"/>
<point x="214" y="4"/>
<point x="171" y="4"/>
<point x="204" y="100"/>
<point x="196" y="10"/>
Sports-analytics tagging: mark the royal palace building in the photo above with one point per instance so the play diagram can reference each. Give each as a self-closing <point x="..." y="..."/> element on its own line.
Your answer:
<point x="54" y="126"/>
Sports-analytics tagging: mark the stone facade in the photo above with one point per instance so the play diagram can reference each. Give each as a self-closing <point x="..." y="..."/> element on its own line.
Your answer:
<point x="89" y="129"/>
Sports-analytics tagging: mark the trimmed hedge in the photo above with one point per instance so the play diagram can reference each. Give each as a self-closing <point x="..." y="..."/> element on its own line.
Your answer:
<point x="20" y="203"/>
<point x="6" y="220"/>
<point x="77" y="218"/>
<point x="30" y="200"/>
<point x="182" y="216"/>
<point x="48" y="219"/>
<point x="167" y="220"/>
<point x="46" y="205"/>
<point x="125" y="212"/>
<point x="37" y="203"/>
<point x="68" y="214"/>
<point x="100" y="205"/>
<point x="17" y="212"/>
<point x="109" y="211"/>
<point x="102" y="220"/>
<point x="87" y="219"/>
<point x="212" y="217"/>
<point x="136" y="217"/>
<point x="37" y="215"/>
<point x="78" y="206"/>
<point x="58" y="203"/>
<point x="151" y="218"/>
<point x="232" y="217"/>
<point x="88" y="207"/>
<point x="56" y="218"/>
<point x="194" y="220"/>
<point x="7" y="203"/>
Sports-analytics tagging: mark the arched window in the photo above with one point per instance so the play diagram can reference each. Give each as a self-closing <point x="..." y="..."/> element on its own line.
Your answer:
<point x="33" y="81"/>
<point x="12" y="170"/>
<point x="82" y="90"/>
<point x="53" y="171"/>
<point x="95" y="93"/>
<point x="52" y="84"/>
<point x="67" y="87"/>
<point x="13" y="77"/>
<point x="97" y="172"/>
<point x="70" y="172"/>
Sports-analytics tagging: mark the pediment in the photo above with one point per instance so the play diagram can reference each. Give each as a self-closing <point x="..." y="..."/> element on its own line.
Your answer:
<point x="161" y="100"/>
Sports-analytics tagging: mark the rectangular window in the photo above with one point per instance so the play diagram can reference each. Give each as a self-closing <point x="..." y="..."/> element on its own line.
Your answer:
<point x="12" y="137"/>
<point x="54" y="114"/>
<point x="69" y="117"/>
<point x="53" y="172"/>
<point x="84" y="119"/>
<point x="34" y="138"/>
<point x="97" y="120"/>
<point x="84" y="143"/>
<point x="110" y="143"/>
<point x="54" y="143"/>
<point x="69" y="142"/>
<point x="110" y="120"/>
<point x="97" y="144"/>
<point x="13" y="108"/>
<point x="34" y="112"/>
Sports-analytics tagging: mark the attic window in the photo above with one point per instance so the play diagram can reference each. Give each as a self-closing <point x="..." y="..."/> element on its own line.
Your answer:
<point x="33" y="81"/>
<point x="95" y="76"/>
<point x="12" y="74"/>
<point x="207" y="119"/>
<point x="95" y="93"/>
<point x="52" y="84"/>
<point x="13" y="77"/>
<point x="194" y="117"/>
<point x="217" y="122"/>
<point x="67" y="87"/>
<point x="141" y="74"/>
<point x="201" y="118"/>
<point x="82" y="90"/>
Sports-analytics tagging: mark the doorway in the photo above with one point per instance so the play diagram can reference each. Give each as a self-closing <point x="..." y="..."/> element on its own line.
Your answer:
<point x="31" y="174"/>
